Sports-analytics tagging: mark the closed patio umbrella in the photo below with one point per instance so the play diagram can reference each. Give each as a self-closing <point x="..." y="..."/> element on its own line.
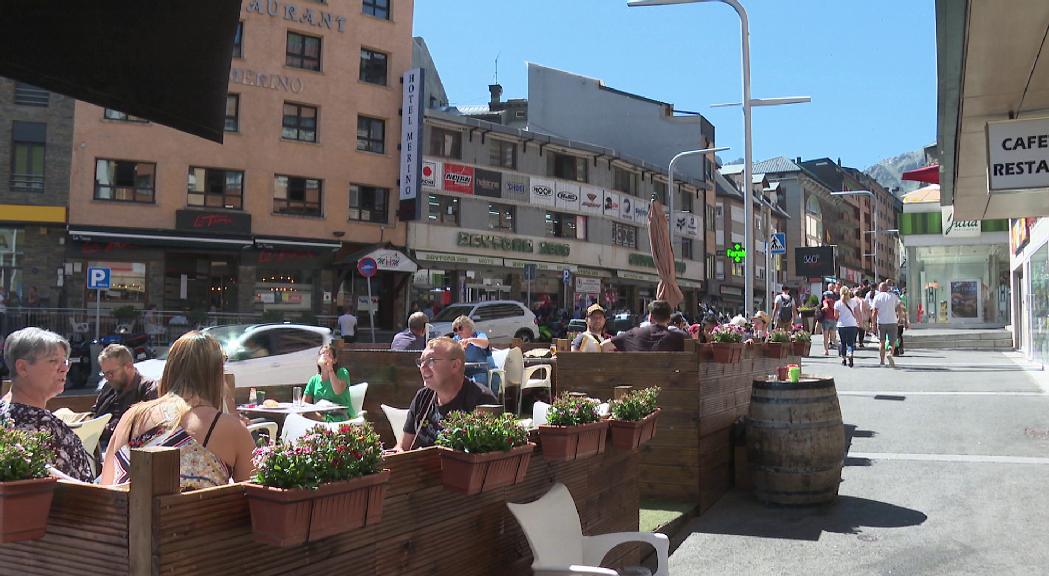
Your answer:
<point x="663" y="255"/>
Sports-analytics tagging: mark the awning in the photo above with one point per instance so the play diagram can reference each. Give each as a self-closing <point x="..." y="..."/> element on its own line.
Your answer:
<point x="388" y="257"/>
<point x="292" y="244"/>
<point x="929" y="174"/>
<point x="82" y="234"/>
<point x="133" y="56"/>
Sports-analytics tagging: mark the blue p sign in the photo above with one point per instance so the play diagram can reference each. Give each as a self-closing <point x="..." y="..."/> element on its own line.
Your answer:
<point x="98" y="278"/>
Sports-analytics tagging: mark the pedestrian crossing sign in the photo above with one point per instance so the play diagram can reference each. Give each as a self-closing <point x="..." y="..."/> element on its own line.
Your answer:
<point x="778" y="243"/>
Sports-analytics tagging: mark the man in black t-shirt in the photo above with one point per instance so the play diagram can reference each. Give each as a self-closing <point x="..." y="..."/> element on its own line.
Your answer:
<point x="445" y="389"/>
<point x="655" y="337"/>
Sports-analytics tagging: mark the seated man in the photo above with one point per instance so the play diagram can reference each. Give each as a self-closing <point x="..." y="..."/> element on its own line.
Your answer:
<point x="414" y="338"/>
<point x="124" y="387"/>
<point x="655" y="337"/>
<point x="445" y="389"/>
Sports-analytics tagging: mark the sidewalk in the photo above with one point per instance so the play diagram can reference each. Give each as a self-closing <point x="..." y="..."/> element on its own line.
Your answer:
<point x="948" y="456"/>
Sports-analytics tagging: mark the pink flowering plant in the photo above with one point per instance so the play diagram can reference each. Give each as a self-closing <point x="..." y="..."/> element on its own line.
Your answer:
<point x="477" y="433"/>
<point x="636" y="404"/>
<point x="798" y="333"/>
<point x="24" y="455"/>
<point x="728" y="333"/>
<point x="568" y="411"/>
<point x="321" y="456"/>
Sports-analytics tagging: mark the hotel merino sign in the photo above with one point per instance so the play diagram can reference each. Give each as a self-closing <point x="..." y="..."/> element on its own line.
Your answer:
<point x="1018" y="154"/>
<point x="411" y="149"/>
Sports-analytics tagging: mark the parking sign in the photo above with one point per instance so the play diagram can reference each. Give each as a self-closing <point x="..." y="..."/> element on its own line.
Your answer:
<point x="98" y="278"/>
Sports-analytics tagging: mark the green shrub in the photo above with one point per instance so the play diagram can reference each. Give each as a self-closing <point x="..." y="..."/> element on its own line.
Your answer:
<point x="321" y="456"/>
<point x="636" y="404"/>
<point x="477" y="433"/>
<point x="568" y="411"/>
<point x="779" y="335"/>
<point x="24" y="455"/>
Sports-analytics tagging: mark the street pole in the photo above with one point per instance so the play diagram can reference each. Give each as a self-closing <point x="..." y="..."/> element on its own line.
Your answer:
<point x="670" y="185"/>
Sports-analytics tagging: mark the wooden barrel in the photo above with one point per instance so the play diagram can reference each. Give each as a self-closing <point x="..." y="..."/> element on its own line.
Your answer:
<point x="795" y="441"/>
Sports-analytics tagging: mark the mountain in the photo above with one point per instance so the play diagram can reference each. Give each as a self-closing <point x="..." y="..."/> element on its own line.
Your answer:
<point x="888" y="171"/>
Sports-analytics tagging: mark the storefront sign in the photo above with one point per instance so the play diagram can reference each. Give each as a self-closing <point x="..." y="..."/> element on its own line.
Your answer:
<point x="957" y="228"/>
<point x="42" y="214"/>
<point x="626" y="207"/>
<point x="412" y="102"/>
<point x="1018" y="154"/>
<point x="587" y="285"/>
<point x="542" y="192"/>
<point x="640" y="211"/>
<point x="249" y="77"/>
<point x="591" y="200"/>
<point x="611" y="204"/>
<point x="646" y="261"/>
<point x="731" y="291"/>
<point x="692" y="227"/>
<point x="635" y="276"/>
<point x="567" y="197"/>
<point x="364" y="304"/>
<point x="488" y="183"/>
<point x="293" y="13"/>
<point x="1019" y="234"/>
<point x="557" y="267"/>
<point x="458" y="258"/>
<point x="554" y="249"/>
<point x="431" y="172"/>
<point x="814" y="262"/>
<point x="488" y="241"/>
<point x="515" y="187"/>
<point x="736" y="253"/>
<point x="213" y="222"/>
<point x="392" y="260"/>
<point x="458" y="178"/>
<point x="596" y="272"/>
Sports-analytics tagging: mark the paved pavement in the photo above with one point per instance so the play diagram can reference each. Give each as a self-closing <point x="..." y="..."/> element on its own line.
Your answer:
<point x="946" y="475"/>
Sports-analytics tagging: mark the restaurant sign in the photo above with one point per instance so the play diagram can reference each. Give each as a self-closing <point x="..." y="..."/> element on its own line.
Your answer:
<point x="1018" y="154"/>
<point x="957" y="228"/>
<point x="213" y="222"/>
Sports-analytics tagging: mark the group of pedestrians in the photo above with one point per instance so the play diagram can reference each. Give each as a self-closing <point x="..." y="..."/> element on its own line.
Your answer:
<point x="847" y="315"/>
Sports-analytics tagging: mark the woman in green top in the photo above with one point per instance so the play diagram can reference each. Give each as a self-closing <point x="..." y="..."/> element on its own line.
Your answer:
<point x="331" y="383"/>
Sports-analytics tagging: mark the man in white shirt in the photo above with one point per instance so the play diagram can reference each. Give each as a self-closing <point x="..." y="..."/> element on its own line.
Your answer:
<point x="884" y="316"/>
<point x="347" y="325"/>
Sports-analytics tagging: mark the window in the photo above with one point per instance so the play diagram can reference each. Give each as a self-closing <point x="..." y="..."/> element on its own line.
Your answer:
<point x="444" y="210"/>
<point x="686" y="248"/>
<point x="232" y="113"/>
<point x="709" y="268"/>
<point x="238" y="41"/>
<point x="127" y="284"/>
<point x="659" y="190"/>
<point x="720" y="274"/>
<point x="29" y="95"/>
<point x="570" y="167"/>
<point x="291" y="340"/>
<point x="501" y="217"/>
<point x="626" y="181"/>
<point x="560" y="225"/>
<point x="503" y="154"/>
<point x="111" y="114"/>
<point x="303" y="51"/>
<point x="293" y="195"/>
<point x="369" y="203"/>
<point x="497" y="311"/>
<point x="624" y="235"/>
<point x="27" y="156"/>
<point x="371" y="134"/>
<point x="737" y="269"/>
<point x="215" y="188"/>
<point x="125" y="181"/>
<point x="377" y="8"/>
<point x="686" y="203"/>
<point x="300" y="123"/>
<point x="446" y="143"/>
<point x="711" y="217"/>
<point x="373" y="67"/>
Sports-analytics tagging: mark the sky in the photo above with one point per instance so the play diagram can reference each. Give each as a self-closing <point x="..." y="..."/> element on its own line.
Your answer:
<point x="869" y="65"/>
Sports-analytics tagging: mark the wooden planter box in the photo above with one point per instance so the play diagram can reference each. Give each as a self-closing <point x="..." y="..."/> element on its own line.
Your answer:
<point x="802" y="348"/>
<point x="776" y="349"/>
<point x="629" y="435"/>
<point x="24" y="507"/>
<point x="290" y="517"/>
<point x="476" y="473"/>
<point x="727" y="352"/>
<point x="567" y="443"/>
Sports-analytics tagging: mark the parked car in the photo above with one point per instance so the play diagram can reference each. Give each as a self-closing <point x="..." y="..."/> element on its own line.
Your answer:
<point x="261" y="354"/>
<point x="501" y="320"/>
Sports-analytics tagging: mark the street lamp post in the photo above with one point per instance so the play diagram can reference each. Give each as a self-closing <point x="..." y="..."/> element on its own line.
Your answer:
<point x="874" y="219"/>
<point x="670" y="185"/>
<point x="748" y="168"/>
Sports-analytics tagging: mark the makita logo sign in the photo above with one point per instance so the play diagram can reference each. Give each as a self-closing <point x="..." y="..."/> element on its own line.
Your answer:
<point x="567" y="196"/>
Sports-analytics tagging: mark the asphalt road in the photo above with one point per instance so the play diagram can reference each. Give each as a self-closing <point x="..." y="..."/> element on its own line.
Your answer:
<point x="947" y="474"/>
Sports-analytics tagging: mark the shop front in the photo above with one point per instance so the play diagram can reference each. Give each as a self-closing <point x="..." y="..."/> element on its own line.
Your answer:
<point x="959" y="285"/>
<point x="391" y="300"/>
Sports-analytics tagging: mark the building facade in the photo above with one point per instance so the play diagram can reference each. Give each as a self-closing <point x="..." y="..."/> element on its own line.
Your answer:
<point x="262" y="222"/>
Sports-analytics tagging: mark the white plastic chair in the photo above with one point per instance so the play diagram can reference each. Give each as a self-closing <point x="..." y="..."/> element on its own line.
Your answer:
<point x="511" y="372"/>
<point x="90" y="432"/>
<point x="499" y="358"/>
<point x="357" y="392"/>
<point x="551" y="525"/>
<point x="296" y="426"/>
<point x="539" y="410"/>
<point x="397" y="418"/>
<point x="79" y="328"/>
<point x="269" y="427"/>
<point x="528" y="382"/>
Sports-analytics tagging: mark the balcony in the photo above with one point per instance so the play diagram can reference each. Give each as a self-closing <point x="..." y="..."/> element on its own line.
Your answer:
<point x="27" y="183"/>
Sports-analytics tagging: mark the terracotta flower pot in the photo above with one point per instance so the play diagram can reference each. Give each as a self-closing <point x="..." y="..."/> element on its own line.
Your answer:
<point x="801" y="348"/>
<point x="24" y="508"/>
<point x="629" y="435"/>
<point x="775" y="349"/>
<point x="567" y="443"/>
<point x="289" y="517"/>
<point x="476" y="473"/>
<point x="727" y="352"/>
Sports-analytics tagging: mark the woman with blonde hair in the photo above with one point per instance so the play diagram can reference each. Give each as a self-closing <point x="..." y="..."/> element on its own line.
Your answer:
<point x="848" y="312"/>
<point x="188" y="415"/>
<point x="477" y="348"/>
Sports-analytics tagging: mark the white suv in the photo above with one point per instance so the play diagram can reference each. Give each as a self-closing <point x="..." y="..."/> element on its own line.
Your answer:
<point x="501" y="320"/>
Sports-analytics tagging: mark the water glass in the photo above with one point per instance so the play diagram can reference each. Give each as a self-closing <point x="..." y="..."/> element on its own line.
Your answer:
<point x="296" y="395"/>
<point x="260" y="397"/>
<point x="772" y="377"/>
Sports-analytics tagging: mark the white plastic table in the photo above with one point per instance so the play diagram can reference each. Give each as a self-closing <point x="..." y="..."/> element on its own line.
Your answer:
<point x="286" y="408"/>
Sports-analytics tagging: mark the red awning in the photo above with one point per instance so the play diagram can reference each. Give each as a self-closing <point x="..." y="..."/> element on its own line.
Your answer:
<point x="929" y="174"/>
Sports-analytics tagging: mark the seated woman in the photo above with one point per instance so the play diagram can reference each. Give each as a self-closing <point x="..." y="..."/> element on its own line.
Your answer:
<point x="476" y="346"/>
<point x="214" y="446"/>
<point x="760" y="331"/>
<point x="331" y="383"/>
<point x="39" y="360"/>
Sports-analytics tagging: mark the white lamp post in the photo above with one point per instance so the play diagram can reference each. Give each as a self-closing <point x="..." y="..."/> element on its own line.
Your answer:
<point x="748" y="207"/>
<point x="670" y="185"/>
<point x="874" y="241"/>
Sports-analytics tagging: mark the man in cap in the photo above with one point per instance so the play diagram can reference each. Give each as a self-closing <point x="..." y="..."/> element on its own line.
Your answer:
<point x="590" y="341"/>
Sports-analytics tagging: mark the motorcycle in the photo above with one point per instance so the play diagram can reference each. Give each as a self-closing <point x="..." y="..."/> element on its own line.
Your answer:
<point x="138" y="343"/>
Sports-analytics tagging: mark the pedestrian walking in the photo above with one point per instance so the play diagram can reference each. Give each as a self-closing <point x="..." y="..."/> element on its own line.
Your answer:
<point x="902" y="321"/>
<point x="884" y="315"/>
<point x="828" y="320"/>
<point x="347" y="324"/>
<point x="848" y="325"/>
<point x="784" y="310"/>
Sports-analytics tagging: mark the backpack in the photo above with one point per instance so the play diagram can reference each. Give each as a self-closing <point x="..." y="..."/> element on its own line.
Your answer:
<point x="786" y="309"/>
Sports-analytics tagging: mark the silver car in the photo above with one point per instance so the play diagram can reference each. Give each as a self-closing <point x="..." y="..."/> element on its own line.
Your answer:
<point x="501" y="320"/>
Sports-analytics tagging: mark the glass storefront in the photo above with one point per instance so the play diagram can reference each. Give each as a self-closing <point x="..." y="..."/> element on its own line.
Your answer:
<point x="954" y="285"/>
<point x="1040" y="305"/>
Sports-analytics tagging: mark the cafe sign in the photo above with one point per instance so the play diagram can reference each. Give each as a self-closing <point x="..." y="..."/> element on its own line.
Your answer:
<point x="1017" y="154"/>
<point x="957" y="228"/>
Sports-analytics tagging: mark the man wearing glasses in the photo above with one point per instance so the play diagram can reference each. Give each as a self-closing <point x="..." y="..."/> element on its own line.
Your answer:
<point x="445" y="389"/>
<point x="124" y="387"/>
